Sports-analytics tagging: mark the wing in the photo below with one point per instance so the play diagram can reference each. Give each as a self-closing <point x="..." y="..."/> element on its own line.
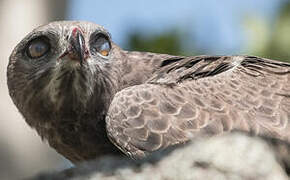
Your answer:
<point x="202" y="95"/>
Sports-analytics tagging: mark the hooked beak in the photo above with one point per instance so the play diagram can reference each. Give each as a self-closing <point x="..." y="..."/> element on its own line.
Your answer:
<point x="76" y="49"/>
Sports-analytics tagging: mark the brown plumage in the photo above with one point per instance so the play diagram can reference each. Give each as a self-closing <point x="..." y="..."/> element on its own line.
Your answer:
<point x="87" y="96"/>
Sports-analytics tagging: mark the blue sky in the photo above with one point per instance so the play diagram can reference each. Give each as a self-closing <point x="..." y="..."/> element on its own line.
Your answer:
<point x="214" y="26"/>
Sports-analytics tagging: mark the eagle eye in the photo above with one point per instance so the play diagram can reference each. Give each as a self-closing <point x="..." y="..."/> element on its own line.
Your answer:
<point x="38" y="47"/>
<point x="100" y="44"/>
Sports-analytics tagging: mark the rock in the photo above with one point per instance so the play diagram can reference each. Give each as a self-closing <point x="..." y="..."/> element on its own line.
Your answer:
<point x="229" y="156"/>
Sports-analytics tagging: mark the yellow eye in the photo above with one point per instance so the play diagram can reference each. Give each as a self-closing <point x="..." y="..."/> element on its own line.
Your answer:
<point x="101" y="44"/>
<point x="38" y="47"/>
<point x="104" y="52"/>
<point x="104" y="48"/>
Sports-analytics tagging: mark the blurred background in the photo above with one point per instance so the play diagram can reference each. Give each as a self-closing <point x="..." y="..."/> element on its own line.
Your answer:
<point x="183" y="27"/>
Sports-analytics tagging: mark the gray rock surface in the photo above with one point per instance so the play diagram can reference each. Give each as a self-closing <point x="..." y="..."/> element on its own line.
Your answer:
<point x="230" y="156"/>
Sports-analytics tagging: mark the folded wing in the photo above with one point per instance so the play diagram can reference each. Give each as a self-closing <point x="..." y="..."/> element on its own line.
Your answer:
<point x="203" y="95"/>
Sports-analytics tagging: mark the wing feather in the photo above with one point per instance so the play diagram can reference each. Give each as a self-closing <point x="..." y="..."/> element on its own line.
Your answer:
<point x="201" y="95"/>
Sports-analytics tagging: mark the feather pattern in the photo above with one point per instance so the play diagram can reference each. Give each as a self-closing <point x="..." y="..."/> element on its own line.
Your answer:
<point x="203" y="95"/>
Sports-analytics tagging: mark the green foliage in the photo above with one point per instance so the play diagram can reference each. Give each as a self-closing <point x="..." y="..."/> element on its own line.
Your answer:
<point x="270" y="42"/>
<point x="169" y="42"/>
<point x="279" y="45"/>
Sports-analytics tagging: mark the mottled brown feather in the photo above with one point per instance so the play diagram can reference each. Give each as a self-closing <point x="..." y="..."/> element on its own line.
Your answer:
<point x="202" y="95"/>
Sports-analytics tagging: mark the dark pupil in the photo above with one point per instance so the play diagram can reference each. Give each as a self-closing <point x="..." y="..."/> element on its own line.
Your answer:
<point x="37" y="48"/>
